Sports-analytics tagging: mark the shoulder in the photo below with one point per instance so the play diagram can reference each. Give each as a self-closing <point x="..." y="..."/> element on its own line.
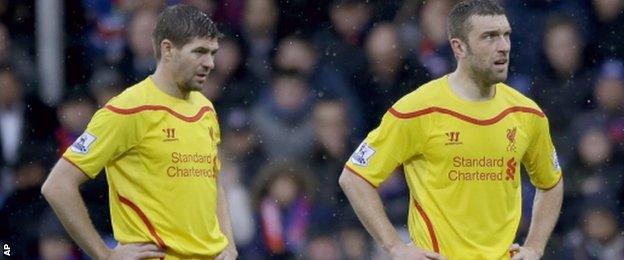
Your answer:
<point x="516" y="98"/>
<point x="201" y="100"/>
<point x="425" y="96"/>
<point x="517" y="102"/>
<point x="133" y="96"/>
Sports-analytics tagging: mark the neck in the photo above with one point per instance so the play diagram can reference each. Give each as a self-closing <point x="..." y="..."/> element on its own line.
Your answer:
<point x="163" y="79"/>
<point x="469" y="86"/>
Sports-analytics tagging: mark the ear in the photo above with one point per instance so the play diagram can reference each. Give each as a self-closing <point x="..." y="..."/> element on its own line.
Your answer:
<point x="459" y="48"/>
<point x="166" y="49"/>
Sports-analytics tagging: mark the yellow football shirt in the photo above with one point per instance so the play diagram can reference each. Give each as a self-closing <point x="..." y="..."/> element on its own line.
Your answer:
<point x="461" y="161"/>
<point x="160" y="156"/>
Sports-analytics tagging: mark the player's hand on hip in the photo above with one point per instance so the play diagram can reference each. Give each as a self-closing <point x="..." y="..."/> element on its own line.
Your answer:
<point x="523" y="253"/>
<point x="134" y="251"/>
<point x="410" y="251"/>
<point x="229" y="253"/>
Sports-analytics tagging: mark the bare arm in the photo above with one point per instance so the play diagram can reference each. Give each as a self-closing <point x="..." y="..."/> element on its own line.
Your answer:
<point x="367" y="205"/>
<point x="223" y="214"/>
<point x="546" y="209"/>
<point x="61" y="190"/>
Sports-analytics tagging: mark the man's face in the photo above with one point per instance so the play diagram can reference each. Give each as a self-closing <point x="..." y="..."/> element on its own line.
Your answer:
<point x="488" y="48"/>
<point x="192" y="63"/>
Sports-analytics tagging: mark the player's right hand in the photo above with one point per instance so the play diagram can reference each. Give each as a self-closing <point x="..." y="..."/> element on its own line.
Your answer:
<point x="410" y="251"/>
<point x="135" y="251"/>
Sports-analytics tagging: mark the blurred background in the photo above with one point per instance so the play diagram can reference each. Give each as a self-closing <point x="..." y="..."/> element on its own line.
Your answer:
<point x="297" y="85"/>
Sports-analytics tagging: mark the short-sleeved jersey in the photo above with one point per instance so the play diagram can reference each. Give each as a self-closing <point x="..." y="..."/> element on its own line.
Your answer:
<point x="160" y="156"/>
<point x="461" y="161"/>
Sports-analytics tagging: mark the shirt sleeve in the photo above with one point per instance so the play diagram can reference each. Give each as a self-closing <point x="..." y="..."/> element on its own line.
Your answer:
<point x="217" y="137"/>
<point x="540" y="159"/>
<point x="393" y="142"/>
<point x="107" y="136"/>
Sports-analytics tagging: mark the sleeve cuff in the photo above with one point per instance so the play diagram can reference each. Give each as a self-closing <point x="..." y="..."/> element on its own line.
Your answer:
<point x="360" y="175"/>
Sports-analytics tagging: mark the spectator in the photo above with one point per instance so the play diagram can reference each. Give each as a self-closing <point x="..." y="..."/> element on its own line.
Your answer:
<point x="353" y="242"/>
<point x="322" y="247"/>
<point x="105" y="83"/>
<point x="595" y="169"/>
<point x="139" y="60"/>
<point x="331" y="150"/>
<point x="25" y="123"/>
<point x="241" y="146"/>
<point x="283" y="199"/>
<point x="19" y="18"/>
<point x="298" y="54"/>
<point x="18" y="58"/>
<point x="242" y="216"/>
<point x="565" y="82"/>
<point x="529" y="19"/>
<point x="282" y="118"/>
<point x="434" y="50"/>
<point x="105" y="35"/>
<point x="231" y="85"/>
<point x="259" y="36"/>
<point x="23" y="209"/>
<point x="599" y="235"/>
<point x="54" y="243"/>
<point x="389" y="76"/>
<point x="608" y="112"/>
<point x="605" y="41"/>
<point x="74" y="114"/>
<point x="341" y="43"/>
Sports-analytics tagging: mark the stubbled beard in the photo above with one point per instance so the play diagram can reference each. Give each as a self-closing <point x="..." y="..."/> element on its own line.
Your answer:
<point x="488" y="75"/>
<point x="190" y="86"/>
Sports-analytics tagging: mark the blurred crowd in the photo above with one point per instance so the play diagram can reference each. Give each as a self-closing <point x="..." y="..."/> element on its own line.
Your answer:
<point x="297" y="85"/>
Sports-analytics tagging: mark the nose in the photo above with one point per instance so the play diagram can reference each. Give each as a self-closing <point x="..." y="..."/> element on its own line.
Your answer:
<point x="208" y="62"/>
<point x="503" y="44"/>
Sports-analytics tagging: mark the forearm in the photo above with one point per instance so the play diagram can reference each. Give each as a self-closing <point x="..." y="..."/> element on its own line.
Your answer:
<point x="546" y="210"/>
<point x="367" y="205"/>
<point x="71" y="211"/>
<point x="223" y="214"/>
<point x="61" y="191"/>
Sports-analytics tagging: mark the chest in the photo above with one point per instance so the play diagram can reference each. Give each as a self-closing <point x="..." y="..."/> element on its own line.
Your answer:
<point x="181" y="146"/>
<point x="508" y="137"/>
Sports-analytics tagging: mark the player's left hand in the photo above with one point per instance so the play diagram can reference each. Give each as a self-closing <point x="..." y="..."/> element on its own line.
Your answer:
<point x="524" y="253"/>
<point x="229" y="253"/>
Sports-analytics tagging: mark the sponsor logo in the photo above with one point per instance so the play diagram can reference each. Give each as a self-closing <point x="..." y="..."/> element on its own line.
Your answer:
<point x="511" y="169"/>
<point x="483" y="169"/>
<point x="192" y="165"/>
<point x="453" y="138"/>
<point x="511" y="138"/>
<point x="83" y="143"/>
<point x="362" y="155"/>
<point x="170" y="134"/>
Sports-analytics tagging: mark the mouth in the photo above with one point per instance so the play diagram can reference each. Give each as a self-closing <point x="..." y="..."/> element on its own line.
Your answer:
<point x="501" y="63"/>
<point x="201" y="76"/>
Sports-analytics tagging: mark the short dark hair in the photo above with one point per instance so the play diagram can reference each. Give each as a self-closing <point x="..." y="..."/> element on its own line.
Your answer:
<point x="180" y="24"/>
<point x="458" y="24"/>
